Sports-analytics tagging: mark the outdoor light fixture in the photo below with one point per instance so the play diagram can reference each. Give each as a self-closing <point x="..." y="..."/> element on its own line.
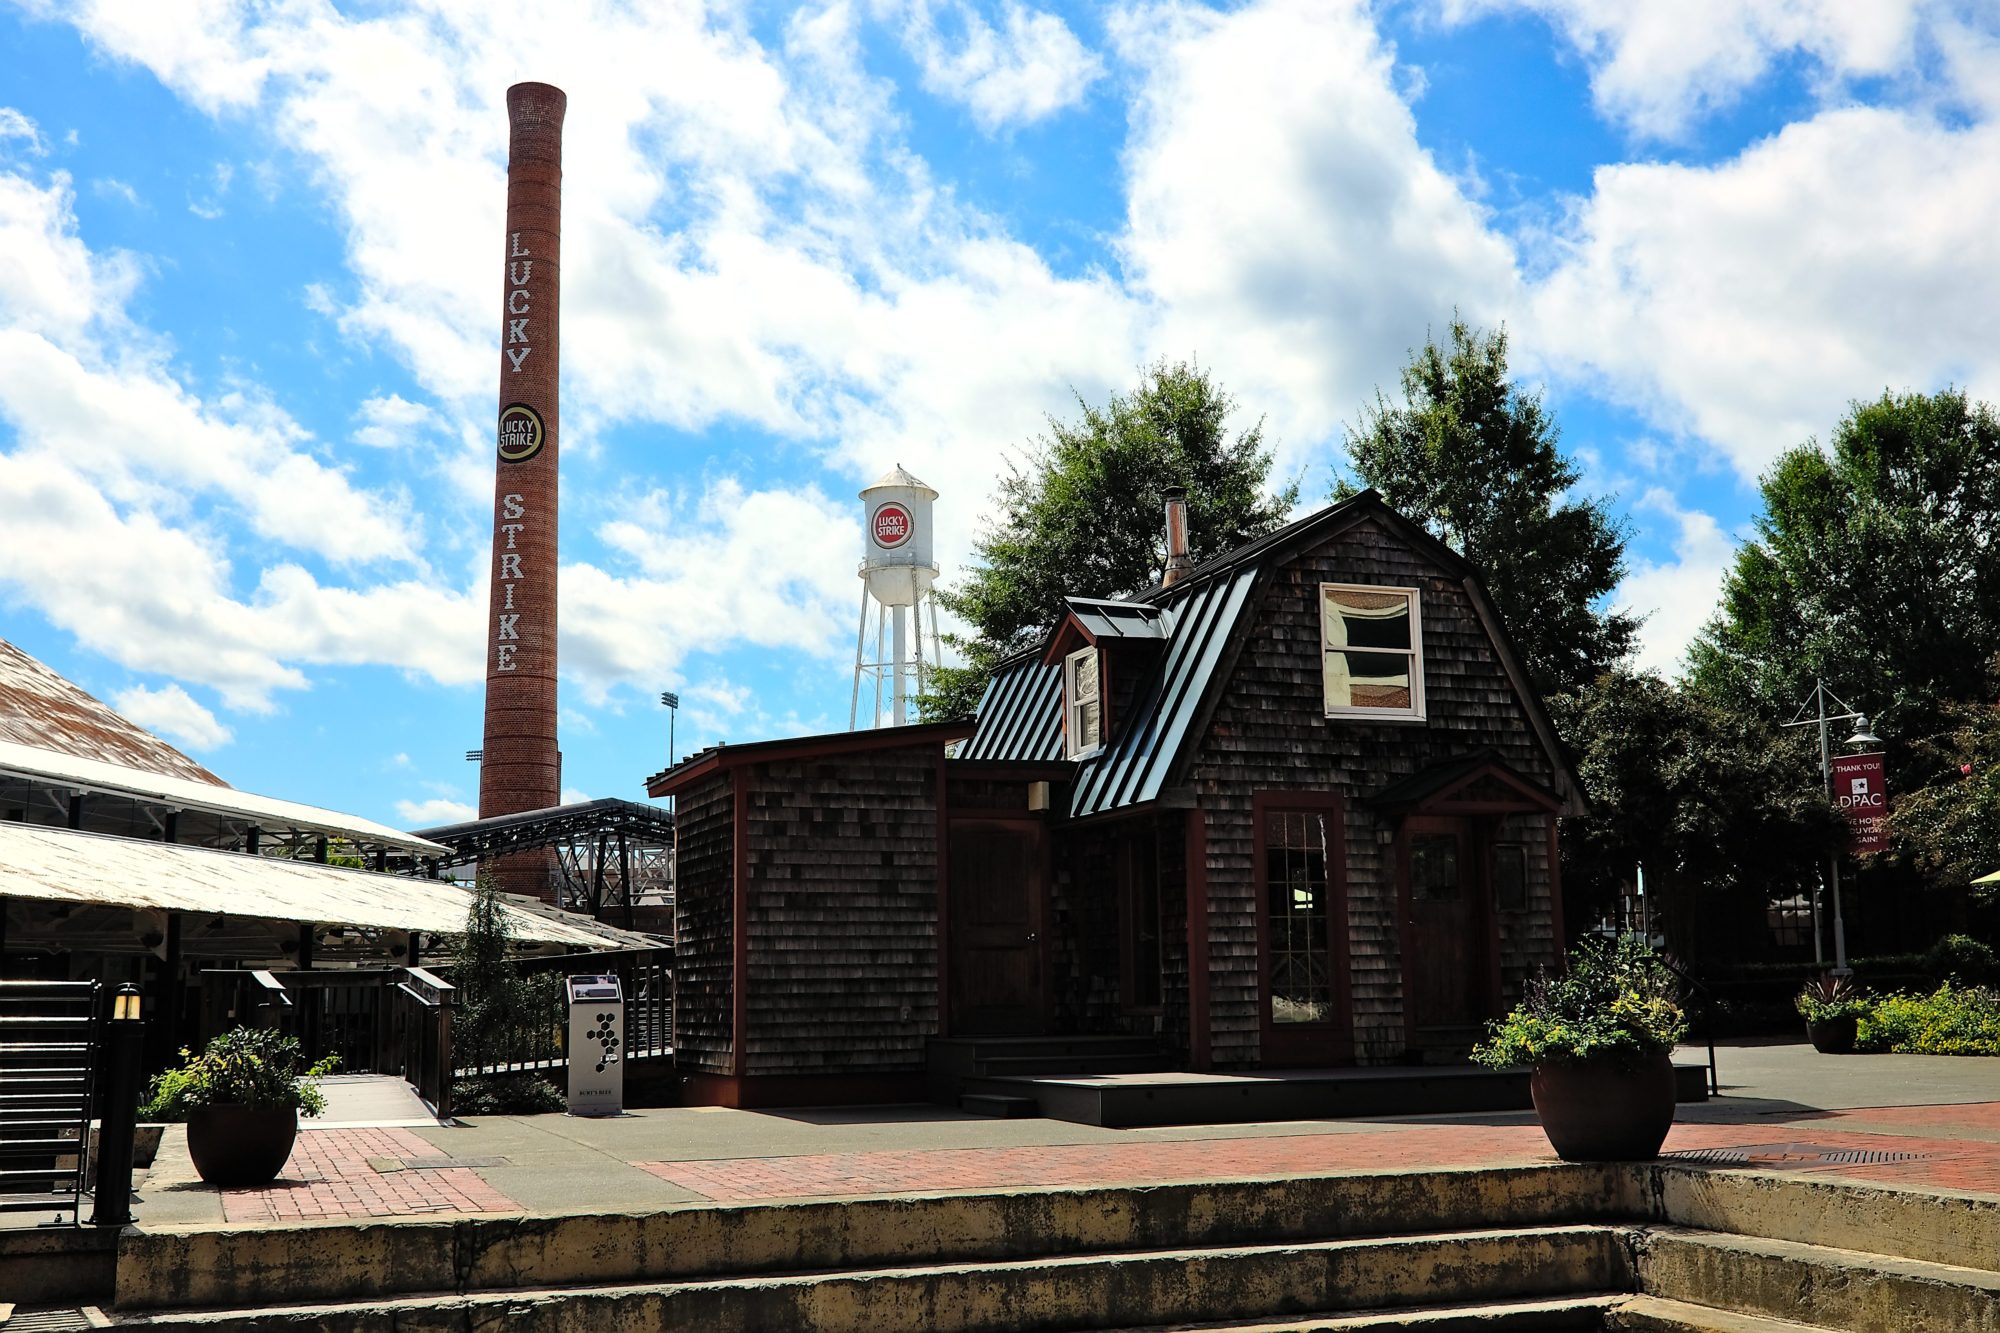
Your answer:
<point x="1821" y="695"/>
<point x="672" y="702"/>
<point x="125" y="1004"/>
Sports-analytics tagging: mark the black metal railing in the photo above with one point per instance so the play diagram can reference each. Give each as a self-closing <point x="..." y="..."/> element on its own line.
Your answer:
<point x="540" y="1042"/>
<point x="50" y="1032"/>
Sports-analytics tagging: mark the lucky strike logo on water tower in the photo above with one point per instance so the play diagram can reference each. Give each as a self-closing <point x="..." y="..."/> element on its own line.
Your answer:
<point x="891" y="525"/>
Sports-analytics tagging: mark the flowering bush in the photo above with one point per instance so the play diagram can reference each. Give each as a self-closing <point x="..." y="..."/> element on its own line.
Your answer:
<point x="1617" y="1001"/>
<point x="242" y="1067"/>
<point x="1952" y="1020"/>
<point x="1831" y="998"/>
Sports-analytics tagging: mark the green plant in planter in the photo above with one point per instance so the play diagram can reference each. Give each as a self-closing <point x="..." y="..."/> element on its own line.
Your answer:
<point x="242" y="1067"/>
<point x="1616" y="1002"/>
<point x="1831" y="998"/>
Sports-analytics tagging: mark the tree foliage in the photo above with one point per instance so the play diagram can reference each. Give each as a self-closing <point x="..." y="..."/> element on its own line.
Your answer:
<point x="1081" y="515"/>
<point x="1951" y="825"/>
<point x="1723" y="811"/>
<point x="1475" y="460"/>
<point x="1874" y="567"/>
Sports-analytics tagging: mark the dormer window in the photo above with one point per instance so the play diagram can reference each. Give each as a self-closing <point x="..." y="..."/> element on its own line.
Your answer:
<point x="1082" y="702"/>
<point x="1373" y="646"/>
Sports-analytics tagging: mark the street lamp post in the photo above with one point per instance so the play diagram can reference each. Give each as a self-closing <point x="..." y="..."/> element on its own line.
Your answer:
<point x="1862" y="736"/>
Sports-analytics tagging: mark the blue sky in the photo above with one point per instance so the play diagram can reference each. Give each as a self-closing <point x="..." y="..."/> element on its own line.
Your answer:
<point x="249" y="288"/>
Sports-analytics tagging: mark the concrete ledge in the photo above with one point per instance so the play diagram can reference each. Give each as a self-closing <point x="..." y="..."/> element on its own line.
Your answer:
<point x="1813" y="1284"/>
<point x="237" y="1265"/>
<point x="1092" y="1290"/>
<point x="57" y="1265"/>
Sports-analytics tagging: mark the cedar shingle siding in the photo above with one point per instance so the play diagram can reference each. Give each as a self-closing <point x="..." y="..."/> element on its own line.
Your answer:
<point x="1269" y="731"/>
<point x="842" y="902"/>
<point x="703" y="957"/>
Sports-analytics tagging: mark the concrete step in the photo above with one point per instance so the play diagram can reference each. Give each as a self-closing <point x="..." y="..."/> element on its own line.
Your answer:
<point x="209" y="1266"/>
<point x="1651" y="1314"/>
<point x="1582" y="1313"/>
<point x="1087" y="1062"/>
<point x="1816" y="1284"/>
<point x="998" y="1106"/>
<point x="1073" y="1291"/>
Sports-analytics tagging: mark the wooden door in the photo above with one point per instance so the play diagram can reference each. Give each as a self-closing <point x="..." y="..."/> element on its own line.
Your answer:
<point x="996" y="908"/>
<point x="1447" y="968"/>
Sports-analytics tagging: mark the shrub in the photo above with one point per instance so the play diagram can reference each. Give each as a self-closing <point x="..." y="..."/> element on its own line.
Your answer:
<point x="505" y="1094"/>
<point x="242" y="1067"/>
<point x="1617" y="1001"/>
<point x="1952" y="1020"/>
<point x="1963" y="959"/>
<point x="1829" y="998"/>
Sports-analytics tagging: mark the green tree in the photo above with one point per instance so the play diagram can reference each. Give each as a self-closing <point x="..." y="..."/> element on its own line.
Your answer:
<point x="1081" y="515"/>
<point x="1724" y="811"/>
<point x="1474" y="459"/>
<point x="492" y="999"/>
<point x="1874" y="566"/>
<point x="1951" y="825"/>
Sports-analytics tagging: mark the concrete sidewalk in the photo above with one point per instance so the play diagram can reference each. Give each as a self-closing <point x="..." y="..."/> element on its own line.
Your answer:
<point x="1925" y="1122"/>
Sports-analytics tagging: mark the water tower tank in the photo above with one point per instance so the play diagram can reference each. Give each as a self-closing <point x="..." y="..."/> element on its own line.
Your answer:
<point x="896" y="538"/>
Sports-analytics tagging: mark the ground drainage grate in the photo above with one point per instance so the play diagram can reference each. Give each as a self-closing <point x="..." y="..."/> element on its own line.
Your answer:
<point x="48" y="1321"/>
<point x="1794" y="1154"/>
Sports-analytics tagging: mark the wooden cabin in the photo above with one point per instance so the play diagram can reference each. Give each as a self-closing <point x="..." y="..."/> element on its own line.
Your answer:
<point x="1296" y="808"/>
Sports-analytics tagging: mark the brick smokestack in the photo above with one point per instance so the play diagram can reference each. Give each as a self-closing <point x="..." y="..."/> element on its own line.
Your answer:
<point x="522" y="769"/>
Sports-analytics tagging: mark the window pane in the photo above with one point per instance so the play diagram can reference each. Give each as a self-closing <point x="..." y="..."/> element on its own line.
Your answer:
<point x="1296" y="903"/>
<point x="1510" y="876"/>
<point x="1085" y="680"/>
<point x="1368" y="680"/>
<point x="1086" y="725"/>
<point x="1434" y="868"/>
<point x="1356" y="619"/>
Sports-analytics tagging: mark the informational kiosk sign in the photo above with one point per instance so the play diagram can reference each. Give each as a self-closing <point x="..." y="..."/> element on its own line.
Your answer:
<point x="596" y="1046"/>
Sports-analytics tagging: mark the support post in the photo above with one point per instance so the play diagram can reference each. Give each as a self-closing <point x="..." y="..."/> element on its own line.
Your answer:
<point x="124" y="1045"/>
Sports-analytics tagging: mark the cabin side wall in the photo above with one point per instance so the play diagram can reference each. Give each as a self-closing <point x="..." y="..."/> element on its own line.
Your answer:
<point x="704" y="958"/>
<point x="1270" y="733"/>
<point x="841" y="904"/>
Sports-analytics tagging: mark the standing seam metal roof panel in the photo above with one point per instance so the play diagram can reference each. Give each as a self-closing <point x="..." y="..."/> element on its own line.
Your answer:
<point x="1134" y="767"/>
<point x="1020" y="717"/>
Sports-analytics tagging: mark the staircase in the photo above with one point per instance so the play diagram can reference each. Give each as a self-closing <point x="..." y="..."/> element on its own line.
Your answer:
<point x="1668" y="1249"/>
<point x="972" y="1072"/>
<point x="48" y="1033"/>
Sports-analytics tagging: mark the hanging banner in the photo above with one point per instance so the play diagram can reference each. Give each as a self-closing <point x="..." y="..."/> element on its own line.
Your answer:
<point x="1861" y="793"/>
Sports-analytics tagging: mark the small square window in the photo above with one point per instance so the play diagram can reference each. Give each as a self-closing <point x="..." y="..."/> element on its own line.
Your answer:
<point x="1083" y="706"/>
<point x="1373" y="650"/>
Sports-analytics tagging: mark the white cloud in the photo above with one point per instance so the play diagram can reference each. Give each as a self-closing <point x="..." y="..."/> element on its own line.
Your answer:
<point x="14" y="125"/>
<point x="1677" y="597"/>
<point x="573" y="796"/>
<point x="392" y="422"/>
<point x="1658" y="67"/>
<point x="109" y="187"/>
<point x="1284" y="218"/>
<point x="434" y="812"/>
<point x="172" y="712"/>
<point x="1746" y="304"/>
<point x="1026" y="70"/>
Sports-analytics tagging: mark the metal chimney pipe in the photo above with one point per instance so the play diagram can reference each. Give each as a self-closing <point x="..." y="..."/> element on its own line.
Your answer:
<point x="521" y="769"/>
<point x="1178" y="561"/>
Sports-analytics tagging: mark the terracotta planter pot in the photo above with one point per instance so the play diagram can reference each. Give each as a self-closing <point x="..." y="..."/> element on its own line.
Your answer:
<point x="1605" y="1112"/>
<point x="1834" y="1036"/>
<point x="238" y="1146"/>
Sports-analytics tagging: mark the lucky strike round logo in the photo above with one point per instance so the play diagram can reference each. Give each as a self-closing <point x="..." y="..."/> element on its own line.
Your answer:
<point x="891" y="525"/>
<point x="520" y="433"/>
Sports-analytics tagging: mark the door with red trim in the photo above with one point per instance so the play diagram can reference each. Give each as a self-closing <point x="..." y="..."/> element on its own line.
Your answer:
<point x="1447" y="930"/>
<point x="996" y="896"/>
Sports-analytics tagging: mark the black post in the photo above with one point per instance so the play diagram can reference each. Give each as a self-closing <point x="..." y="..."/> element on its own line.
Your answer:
<point x="124" y="1043"/>
<point x="76" y="810"/>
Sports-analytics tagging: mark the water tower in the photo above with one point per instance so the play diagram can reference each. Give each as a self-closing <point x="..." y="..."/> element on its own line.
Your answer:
<point x="896" y="576"/>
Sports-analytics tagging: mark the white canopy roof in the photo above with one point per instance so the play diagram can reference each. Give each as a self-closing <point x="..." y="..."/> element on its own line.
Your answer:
<point x="64" y="866"/>
<point x="267" y="812"/>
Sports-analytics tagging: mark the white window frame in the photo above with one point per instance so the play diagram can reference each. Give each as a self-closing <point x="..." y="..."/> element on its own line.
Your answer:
<point x="1415" y="711"/>
<point x="1074" y="745"/>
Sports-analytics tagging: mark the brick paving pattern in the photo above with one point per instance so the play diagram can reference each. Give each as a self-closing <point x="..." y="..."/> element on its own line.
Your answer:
<point x="1954" y="1164"/>
<point x="329" y="1176"/>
